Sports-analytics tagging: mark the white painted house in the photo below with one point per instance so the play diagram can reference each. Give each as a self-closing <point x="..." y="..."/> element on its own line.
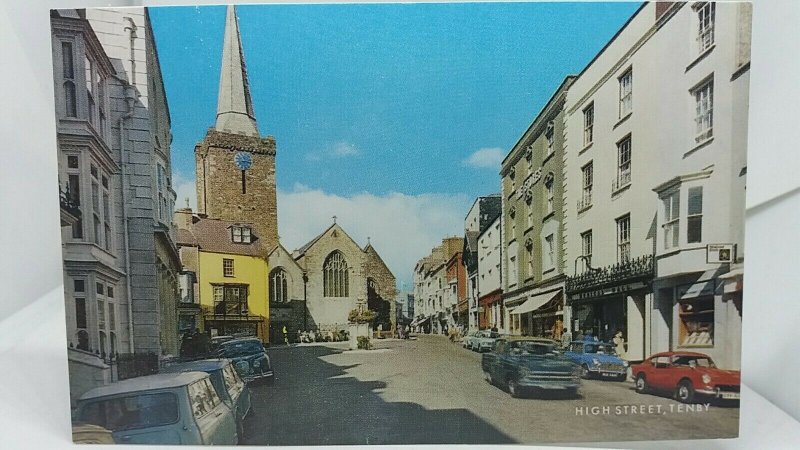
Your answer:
<point x="655" y="164"/>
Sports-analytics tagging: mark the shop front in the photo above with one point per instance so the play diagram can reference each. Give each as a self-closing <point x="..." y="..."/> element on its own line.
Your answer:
<point x="239" y="325"/>
<point x="491" y="312"/>
<point x="613" y="299"/>
<point x="541" y="314"/>
<point x="705" y="314"/>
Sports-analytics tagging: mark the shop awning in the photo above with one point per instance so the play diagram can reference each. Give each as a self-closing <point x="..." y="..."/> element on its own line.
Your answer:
<point x="535" y="302"/>
<point x="701" y="288"/>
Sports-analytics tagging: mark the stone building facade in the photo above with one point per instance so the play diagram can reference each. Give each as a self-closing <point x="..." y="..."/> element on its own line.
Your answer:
<point x="235" y="166"/>
<point x="120" y="261"/>
<point x="483" y="212"/>
<point x="145" y="159"/>
<point x="533" y="219"/>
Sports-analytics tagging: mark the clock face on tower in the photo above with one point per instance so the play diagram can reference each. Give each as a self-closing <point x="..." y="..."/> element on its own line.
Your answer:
<point x="243" y="160"/>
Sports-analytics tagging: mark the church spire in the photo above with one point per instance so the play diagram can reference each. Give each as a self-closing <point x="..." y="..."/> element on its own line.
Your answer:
<point x="234" y="105"/>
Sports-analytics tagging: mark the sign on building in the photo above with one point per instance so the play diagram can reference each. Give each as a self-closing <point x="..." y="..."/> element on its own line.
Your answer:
<point x="720" y="253"/>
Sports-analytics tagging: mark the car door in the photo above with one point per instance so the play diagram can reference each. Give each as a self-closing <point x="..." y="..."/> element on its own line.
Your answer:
<point x="213" y="417"/>
<point x="659" y="373"/>
<point x="236" y="390"/>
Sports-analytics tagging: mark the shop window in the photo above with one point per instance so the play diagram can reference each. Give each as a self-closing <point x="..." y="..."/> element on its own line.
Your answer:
<point x="230" y="299"/>
<point x="696" y="318"/>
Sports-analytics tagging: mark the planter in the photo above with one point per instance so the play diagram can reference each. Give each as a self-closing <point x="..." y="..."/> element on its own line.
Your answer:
<point x="359" y="329"/>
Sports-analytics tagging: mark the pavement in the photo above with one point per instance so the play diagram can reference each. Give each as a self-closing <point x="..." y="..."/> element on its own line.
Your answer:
<point x="432" y="391"/>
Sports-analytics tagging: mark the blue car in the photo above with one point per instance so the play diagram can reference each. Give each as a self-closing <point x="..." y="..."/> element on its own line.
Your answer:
<point x="597" y="360"/>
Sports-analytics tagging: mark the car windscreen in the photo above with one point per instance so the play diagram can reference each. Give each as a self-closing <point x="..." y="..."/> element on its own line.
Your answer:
<point x="532" y="348"/>
<point x="603" y="349"/>
<point x="130" y="412"/>
<point x="692" y="361"/>
<point x="236" y="349"/>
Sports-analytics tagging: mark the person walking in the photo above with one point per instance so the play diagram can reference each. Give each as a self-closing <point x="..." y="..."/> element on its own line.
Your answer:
<point x="285" y="336"/>
<point x="619" y="344"/>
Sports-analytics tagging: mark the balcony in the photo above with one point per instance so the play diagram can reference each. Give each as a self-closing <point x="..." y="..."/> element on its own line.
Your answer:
<point x="70" y="207"/>
<point x="636" y="269"/>
<point x="622" y="181"/>
<point x="585" y="202"/>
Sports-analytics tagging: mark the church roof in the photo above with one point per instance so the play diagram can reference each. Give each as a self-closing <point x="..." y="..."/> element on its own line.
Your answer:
<point x="234" y="105"/>
<point x="214" y="235"/>
<point x="302" y="250"/>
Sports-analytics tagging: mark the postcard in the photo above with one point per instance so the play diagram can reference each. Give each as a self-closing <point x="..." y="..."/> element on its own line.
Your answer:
<point x="440" y="223"/>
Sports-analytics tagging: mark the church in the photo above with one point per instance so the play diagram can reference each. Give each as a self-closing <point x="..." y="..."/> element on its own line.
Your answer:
<point x="311" y="288"/>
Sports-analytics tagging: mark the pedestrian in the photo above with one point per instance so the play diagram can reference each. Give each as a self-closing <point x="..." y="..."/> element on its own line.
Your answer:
<point x="588" y="337"/>
<point x="285" y="335"/>
<point x="566" y="338"/>
<point x="578" y="335"/>
<point x="619" y="344"/>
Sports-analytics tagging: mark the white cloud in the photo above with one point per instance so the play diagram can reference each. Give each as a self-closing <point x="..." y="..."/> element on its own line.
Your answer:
<point x="485" y="158"/>
<point x="403" y="228"/>
<point x="184" y="189"/>
<point x="341" y="149"/>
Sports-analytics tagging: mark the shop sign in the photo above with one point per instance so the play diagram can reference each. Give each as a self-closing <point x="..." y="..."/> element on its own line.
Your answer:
<point x="720" y="253"/>
<point x="611" y="290"/>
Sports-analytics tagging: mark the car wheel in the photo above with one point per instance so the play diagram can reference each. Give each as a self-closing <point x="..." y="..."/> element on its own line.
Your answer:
<point x="585" y="372"/>
<point x="640" y="384"/>
<point x="513" y="388"/>
<point x="685" y="392"/>
<point x="622" y="377"/>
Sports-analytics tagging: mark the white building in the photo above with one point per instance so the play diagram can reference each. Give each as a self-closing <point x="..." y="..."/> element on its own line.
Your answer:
<point x="489" y="287"/>
<point x="483" y="212"/>
<point x="656" y="132"/>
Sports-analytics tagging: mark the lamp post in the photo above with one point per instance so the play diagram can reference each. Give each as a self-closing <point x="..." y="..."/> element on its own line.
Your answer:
<point x="305" y="301"/>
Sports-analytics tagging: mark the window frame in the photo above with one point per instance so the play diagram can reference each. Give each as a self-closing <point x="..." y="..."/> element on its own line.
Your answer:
<point x="587" y="185"/>
<point x="586" y="248"/>
<point x="625" y="92"/>
<point x="703" y="98"/>
<point x="671" y="204"/>
<point x="696" y="216"/>
<point x="228" y="268"/>
<point x="624" y="165"/>
<point x="705" y="19"/>
<point x="623" y="226"/>
<point x="588" y="124"/>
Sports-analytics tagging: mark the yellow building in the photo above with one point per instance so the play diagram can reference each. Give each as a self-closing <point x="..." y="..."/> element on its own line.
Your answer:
<point x="229" y="270"/>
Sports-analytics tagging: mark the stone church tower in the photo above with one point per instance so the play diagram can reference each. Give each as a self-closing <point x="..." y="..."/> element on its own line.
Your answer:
<point x="235" y="166"/>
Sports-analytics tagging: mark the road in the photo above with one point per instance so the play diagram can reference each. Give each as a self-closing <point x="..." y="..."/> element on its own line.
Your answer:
<point x="431" y="391"/>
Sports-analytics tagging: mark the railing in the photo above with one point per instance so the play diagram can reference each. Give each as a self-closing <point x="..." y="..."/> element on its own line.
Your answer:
<point x="640" y="268"/>
<point x="585" y="201"/>
<point x="622" y="180"/>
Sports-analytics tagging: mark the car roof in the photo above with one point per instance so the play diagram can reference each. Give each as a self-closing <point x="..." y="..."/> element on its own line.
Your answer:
<point x="680" y="353"/>
<point x="239" y="340"/>
<point x="515" y="338"/>
<point x="201" y="365"/>
<point x="145" y="383"/>
<point x="591" y="342"/>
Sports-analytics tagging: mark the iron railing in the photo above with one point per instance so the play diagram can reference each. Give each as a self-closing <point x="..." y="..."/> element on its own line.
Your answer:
<point x="636" y="269"/>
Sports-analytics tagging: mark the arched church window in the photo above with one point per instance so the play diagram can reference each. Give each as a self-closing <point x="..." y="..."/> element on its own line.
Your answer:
<point x="278" y="286"/>
<point x="335" y="276"/>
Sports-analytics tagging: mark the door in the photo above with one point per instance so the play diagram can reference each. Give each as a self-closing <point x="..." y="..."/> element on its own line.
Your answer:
<point x="214" y="418"/>
<point x="658" y="376"/>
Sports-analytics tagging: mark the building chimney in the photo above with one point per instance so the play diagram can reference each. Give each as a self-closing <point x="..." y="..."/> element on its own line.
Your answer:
<point x="183" y="218"/>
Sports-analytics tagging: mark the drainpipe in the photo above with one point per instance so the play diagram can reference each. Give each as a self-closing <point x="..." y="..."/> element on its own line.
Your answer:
<point x="130" y="99"/>
<point x="131" y="29"/>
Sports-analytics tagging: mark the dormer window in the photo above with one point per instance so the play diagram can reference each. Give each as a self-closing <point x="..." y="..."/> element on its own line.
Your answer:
<point x="241" y="234"/>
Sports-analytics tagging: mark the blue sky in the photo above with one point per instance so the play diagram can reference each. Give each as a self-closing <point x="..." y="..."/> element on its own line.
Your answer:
<point x="372" y="104"/>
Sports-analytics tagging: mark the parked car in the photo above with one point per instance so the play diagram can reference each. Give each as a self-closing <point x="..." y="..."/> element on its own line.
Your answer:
<point x="484" y="340"/>
<point x="249" y="359"/>
<point x="84" y="433"/>
<point x="229" y="386"/>
<point x="687" y="375"/>
<point x="597" y="359"/>
<point x="524" y="364"/>
<point x="163" y="409"/>
<point x="467" y="342"/>
<point x="216" y="341"/>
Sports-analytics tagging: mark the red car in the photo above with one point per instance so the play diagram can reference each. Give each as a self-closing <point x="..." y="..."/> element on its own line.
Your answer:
<point x="688" y="375"/>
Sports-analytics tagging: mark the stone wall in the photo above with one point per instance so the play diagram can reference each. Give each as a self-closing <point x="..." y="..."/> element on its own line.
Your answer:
<point x="220" y="194"/>
<point x="386" y="285"/>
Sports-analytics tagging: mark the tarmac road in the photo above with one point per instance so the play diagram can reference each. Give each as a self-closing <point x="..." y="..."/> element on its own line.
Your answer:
<point x="430" y="391"/>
